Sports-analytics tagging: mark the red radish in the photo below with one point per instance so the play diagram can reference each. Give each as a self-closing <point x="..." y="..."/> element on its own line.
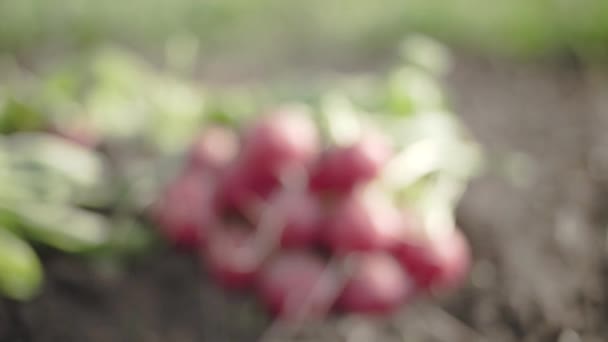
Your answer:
<point x="300" y="216"/>
<point x="185" y="210"/>
<point x="241" y="190"/>
<point x="297" y="285"/>
<point x="343" y="168"/>
<point x="436" y="263"/>
<point x="232" y="257"/>
<point x="377" y="285"/>
<point x="284" y="138"/>
<point x="362" y="222"/>
<point x="213" y="149"/>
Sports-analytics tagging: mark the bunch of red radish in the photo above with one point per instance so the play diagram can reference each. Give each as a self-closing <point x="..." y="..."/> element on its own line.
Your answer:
<point x="273" y="209"/>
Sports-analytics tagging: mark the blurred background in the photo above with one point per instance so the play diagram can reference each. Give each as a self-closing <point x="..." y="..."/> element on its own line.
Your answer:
<point x="527" y="78"/>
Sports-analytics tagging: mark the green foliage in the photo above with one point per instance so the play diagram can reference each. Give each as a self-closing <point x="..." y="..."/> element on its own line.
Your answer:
<point x="271" y="28"/>
<point x="63" y="227"/>
<point x="20" y="270"/>
<point x="44" y="167"/>
<point x="16" y="116"/>
<point x="436" y="157"/>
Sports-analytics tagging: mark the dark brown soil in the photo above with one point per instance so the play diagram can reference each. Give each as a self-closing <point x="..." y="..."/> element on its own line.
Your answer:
<point x="536" y="221"/>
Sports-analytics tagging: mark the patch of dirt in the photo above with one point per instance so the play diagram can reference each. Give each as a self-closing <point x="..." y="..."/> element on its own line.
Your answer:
<point x="535" y="219"/>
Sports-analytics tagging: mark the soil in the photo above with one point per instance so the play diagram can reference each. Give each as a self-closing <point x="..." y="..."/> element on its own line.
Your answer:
<point x="536" y="220"/>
